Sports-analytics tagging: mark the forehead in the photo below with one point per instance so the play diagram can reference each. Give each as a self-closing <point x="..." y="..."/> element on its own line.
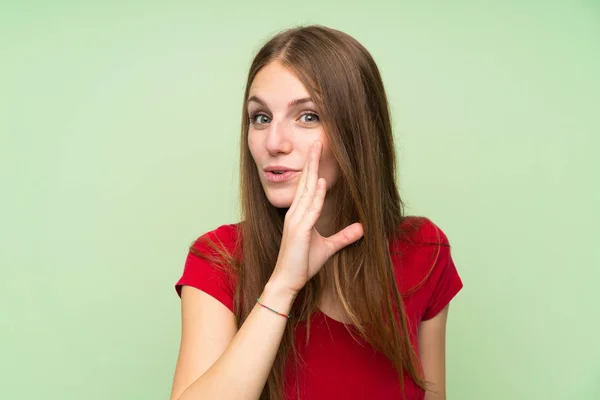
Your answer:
<point x="276" y="81"/>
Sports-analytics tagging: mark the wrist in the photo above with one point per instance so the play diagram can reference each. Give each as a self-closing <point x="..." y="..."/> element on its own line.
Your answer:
<point x="277" y="297"/>
<point x="280" y="291"/>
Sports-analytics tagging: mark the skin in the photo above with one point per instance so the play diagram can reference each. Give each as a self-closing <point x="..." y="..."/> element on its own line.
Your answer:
<point x="215" y="359"/>
<point x="432" y="350"/>
<point x="281" y="134"/>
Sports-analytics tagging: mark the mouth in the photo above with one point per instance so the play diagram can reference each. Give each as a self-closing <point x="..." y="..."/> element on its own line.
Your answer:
<point x="280" y="176"/>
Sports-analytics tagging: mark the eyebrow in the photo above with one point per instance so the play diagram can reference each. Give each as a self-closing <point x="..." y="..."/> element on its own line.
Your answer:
<point x="292" y="103"/>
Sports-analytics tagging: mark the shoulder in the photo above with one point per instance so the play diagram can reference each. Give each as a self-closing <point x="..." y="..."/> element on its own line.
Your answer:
<point x="417" y="248"/>
<point x="210" y="263"/>
<point x="223" y="237"/>
<point x="219" y="248"/>
<point x="419" y="231"/>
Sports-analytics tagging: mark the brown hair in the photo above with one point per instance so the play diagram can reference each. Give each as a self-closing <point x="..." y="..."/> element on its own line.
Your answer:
<point x="345" y="83"/>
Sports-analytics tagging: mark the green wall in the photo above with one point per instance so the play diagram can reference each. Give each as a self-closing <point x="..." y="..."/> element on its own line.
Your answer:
<point x="119" y="130"/>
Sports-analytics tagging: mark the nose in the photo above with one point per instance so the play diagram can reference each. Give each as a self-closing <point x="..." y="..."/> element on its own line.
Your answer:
<point x="277" y="140"/>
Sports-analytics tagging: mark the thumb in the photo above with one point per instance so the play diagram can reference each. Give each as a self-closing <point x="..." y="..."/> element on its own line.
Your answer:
<point x="346" y="236"/>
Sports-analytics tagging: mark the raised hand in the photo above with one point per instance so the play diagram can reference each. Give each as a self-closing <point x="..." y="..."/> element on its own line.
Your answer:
<point x="303" y="250"/>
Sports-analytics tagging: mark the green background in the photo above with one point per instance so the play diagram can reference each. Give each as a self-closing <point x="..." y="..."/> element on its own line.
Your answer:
<point x="119" y="128"/>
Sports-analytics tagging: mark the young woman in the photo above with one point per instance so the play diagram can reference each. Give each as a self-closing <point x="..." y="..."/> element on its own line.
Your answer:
<point x="325" y="290"/>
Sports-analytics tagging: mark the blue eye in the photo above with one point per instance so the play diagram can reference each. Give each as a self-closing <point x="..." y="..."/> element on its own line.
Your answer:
<point x="309" y="118"/>
<point x="259" y="119"/>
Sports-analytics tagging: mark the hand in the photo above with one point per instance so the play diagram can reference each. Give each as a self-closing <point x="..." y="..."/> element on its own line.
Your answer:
<point x="303" y="250"/>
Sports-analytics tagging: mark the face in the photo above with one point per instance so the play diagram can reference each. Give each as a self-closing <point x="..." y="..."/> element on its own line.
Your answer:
<point x="283" y="125"/>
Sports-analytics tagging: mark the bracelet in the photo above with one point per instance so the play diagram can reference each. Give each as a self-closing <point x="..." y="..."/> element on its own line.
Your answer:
<point x="269" y="308"/>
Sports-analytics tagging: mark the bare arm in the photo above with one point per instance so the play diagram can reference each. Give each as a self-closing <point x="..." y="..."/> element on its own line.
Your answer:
<point x="215" y="361"/>
<point x="432" y="349"/>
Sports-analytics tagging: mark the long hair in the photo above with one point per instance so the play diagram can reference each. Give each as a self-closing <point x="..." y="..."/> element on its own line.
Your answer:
<point x="346" y="86"/>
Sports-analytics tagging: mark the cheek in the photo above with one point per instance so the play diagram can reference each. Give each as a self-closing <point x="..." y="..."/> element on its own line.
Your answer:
<point x="329" y="169"/>
<point x="328" y="165"/>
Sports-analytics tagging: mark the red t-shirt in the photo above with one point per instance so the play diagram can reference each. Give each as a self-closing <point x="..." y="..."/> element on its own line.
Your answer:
<point x="335" y="365"/>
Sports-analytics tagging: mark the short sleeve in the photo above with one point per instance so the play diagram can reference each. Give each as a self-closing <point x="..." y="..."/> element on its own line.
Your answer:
<point x="443" y="283"/>
<point x="214" y="280"/>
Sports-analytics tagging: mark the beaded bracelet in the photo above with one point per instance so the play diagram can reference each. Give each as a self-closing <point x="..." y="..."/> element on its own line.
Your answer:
<point x="269" y="308"/>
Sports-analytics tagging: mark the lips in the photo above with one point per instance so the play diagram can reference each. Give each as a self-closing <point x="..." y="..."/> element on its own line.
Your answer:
<point x="279" y="168"/>
<point x="280" y="175"/>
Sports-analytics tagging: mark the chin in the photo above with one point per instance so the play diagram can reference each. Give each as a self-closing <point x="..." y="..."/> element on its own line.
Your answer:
<point x="280" y="200"/>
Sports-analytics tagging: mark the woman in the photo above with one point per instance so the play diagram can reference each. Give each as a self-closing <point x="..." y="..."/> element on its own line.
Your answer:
<point x="325" y="290"/>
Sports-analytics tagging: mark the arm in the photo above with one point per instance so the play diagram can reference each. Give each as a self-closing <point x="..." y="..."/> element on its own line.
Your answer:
<point x="432" y="349"/>
<point x="218" y="362"/>
<point x="215" y="361"/>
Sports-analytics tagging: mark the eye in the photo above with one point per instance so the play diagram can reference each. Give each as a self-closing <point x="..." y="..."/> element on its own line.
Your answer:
<point x="259" y="119"/>
<point x="309" y="118"/>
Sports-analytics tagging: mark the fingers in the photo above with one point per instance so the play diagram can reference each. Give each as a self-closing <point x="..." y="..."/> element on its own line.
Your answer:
<point x="346" y="236"/>
<point x="308" y="181"/>
<point x="312" y="175"/>
<point x="314" y="210"/>
<point x="299" y="188"/>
